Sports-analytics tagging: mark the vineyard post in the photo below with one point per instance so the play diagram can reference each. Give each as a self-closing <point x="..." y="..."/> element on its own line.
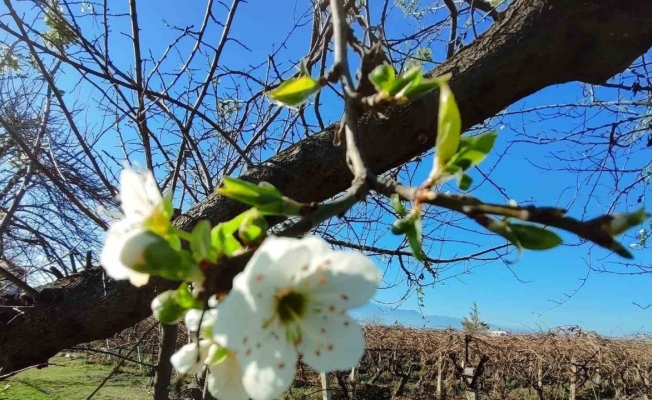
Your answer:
<point x="440" y="362"/>
<point x="573" y="378"/>
<point x="325" y="386"/>
<point x="353" y="380"/>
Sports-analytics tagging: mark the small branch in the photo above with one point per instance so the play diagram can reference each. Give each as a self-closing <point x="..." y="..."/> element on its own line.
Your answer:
<point x="9" y="375"/>
<point x="341" y="32"/>
<point x="31" y="292"/>
<point x="593" y="230"/>
<point x="453" y="36"/>
<point x="486" y="7"/>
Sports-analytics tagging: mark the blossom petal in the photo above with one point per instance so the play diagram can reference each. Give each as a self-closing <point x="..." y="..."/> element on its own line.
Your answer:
<point x="331" y="342"/>
<point x="139" y="194"/>
<point x="268" y="367"/>
<point x="235" y="316"/>
<point x="277" y="264"/>
<point x="344" y="280"/>
<point x="189" y="359"/>
<point x="225" y="380"/>
<point x="207" y="318"/>
<point x="118" y="248"/>
<point x="138" y="279"/>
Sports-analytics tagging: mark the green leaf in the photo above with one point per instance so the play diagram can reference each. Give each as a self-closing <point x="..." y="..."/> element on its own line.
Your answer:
<point x="464" y="182"/>
<point x="422" y="88"/>
<point x="414" y="237"/>
<point x="473" y="150"/>
<point x="253" y="227"/>
<point x="160" y="256"/>
<point x="504" y="230"/>
<point x="264" y="196"/>
<point x="295" y="91"/>
<point x="410" y="226"/>
<point x="449" y="127"/>
<point x="619" y="223"/>
<point x="224" y="240"/>
<point x="166" y="309"/>
<point x="535" y="238"/>
<point x="383" y="77"/>
<point x="201" y="243"/>
<point x="410" y="77"/>
<point x="185" y="298"/>
<point x="397" y="205"/>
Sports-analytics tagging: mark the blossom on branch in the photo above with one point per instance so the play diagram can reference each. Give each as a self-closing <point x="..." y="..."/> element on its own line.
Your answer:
<point x="144" y="217"/>
<point x="224" y="380"/>
<point x="292" y="298"/>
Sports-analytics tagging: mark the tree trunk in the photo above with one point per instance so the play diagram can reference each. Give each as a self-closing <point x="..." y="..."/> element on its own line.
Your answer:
<point x="164" y="366"/>
<point x="583" y="40"/>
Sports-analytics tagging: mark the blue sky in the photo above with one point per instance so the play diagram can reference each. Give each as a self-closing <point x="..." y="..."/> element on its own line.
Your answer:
<point x="604" y="303"/>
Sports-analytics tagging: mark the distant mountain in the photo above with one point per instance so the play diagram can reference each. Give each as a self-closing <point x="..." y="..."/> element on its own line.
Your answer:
<point x="384" y="315"/>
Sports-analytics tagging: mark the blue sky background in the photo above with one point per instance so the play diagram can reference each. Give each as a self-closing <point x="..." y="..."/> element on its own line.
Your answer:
<point x="604" y="303"/>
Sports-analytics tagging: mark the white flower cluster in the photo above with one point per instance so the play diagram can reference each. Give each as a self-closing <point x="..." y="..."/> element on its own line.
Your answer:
<point x="127" y="238"/>
<point x="291" y="299"/>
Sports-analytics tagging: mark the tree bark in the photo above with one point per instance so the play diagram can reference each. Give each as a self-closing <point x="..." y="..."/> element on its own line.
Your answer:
<point x="538" y="43"/>
<point x="164" y="366"/>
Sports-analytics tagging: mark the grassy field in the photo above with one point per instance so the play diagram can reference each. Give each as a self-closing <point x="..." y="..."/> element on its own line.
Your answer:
<point x="70" y="379"/>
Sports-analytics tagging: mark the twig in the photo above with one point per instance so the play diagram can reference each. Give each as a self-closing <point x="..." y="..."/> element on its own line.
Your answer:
<point x="9" y="375"/>
<point x="341" y="32"/>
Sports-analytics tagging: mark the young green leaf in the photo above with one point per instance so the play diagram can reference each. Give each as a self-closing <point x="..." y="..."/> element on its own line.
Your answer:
<point x="253" y="227"/>
<point x="473" y="150"/>
<point x="295" y="91"/>
<point x="414" y="237"/>
<point x="449" y="127"/>
<point x="410" y="226"/>
<point x="265" y="197"/>
<point x="464" y="181"/>
<point x="201" y="244"/>
<point x="185" y="298"/>
<point x="223" y="240"/>
<point x="503" y="229"/>
<point x="397" y="205"/>
<point x="166" y="309"/>
<point x="383" y="77"/>
<point x="410" y="77"/>
<point x="425" y="86"/>
<point x="535" y="238"/>
<point x="619" y="223"/>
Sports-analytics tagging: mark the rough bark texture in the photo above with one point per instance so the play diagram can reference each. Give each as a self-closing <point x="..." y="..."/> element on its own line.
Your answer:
<point x="537" y="44"/>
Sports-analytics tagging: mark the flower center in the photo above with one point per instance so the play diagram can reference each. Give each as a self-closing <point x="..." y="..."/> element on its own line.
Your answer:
<point x="290" y="305"/>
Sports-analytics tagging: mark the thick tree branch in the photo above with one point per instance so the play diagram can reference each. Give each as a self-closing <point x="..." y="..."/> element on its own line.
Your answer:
<point x="588" y="40"/>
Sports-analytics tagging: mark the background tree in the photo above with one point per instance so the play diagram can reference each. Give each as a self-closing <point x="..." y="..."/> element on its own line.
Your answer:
<point x="472" y="324"/>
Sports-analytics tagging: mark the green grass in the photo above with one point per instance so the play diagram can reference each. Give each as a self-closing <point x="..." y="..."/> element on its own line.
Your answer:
<point x="73" y="380"/>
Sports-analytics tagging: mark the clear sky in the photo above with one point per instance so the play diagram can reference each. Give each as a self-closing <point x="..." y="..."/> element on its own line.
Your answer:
<point x="522" y="296"/>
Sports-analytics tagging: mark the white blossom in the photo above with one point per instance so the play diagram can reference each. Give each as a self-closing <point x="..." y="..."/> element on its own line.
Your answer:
<point x="292" y="298"/>
<point x="127" y="238"/>
<point x="224" y="380"/>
